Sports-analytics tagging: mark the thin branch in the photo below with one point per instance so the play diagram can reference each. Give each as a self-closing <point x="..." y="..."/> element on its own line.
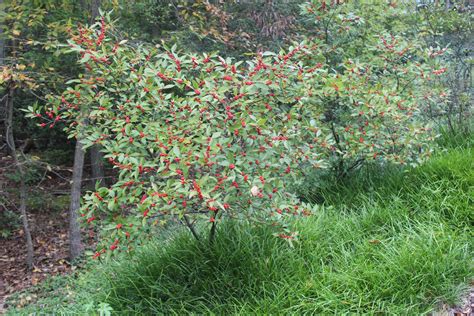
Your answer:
<point x="356" y="164"/>
<point x="191" y="227"/>
<point x="212" y="233"/>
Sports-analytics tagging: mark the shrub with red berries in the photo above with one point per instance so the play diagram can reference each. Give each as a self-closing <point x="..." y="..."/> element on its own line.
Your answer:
<point x="204" y="137"/>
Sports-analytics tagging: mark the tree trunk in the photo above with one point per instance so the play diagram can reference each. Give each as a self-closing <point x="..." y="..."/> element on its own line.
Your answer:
<point x="3" y="107"/>
<point x="2" y="41"/>
<point x="83" y="5"/>
<point x="2" y="61"/>
<point x="97" y="165"/>
<point x="19" y="167"/>
<point x="95" y="9"/>
<point x="11" y="148"/>
<point x="75" y="244"/>
<point x="24" y="219"/>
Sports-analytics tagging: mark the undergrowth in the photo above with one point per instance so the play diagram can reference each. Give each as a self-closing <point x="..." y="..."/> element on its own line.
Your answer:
<point x="392" y="241"/>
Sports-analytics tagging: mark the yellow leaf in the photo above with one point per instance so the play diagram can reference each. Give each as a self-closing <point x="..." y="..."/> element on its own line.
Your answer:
<point x="16" y="32"/>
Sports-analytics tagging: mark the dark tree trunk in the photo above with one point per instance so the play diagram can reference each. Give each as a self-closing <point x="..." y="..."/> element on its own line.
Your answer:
<point x="75" y="244"/>
<point x="12" y="148"/>
<point x="97" y="165"/>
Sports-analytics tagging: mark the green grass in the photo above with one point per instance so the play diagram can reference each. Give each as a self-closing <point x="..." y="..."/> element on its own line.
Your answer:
<point x="379" y="260"/>
<point x="449" y="167"/>
<point x="388" y="241"/>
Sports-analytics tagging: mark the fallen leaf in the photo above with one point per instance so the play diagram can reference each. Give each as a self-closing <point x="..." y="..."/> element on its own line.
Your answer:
<point x="374" y="241"/>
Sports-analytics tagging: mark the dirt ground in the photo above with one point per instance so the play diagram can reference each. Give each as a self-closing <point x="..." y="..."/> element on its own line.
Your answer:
<point x="51" y="253"/>
<point x="466" y="308"/>
<point x="48" y="221"/>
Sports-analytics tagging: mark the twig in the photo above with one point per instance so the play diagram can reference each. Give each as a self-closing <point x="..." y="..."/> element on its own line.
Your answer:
<point x="191" y="227"/>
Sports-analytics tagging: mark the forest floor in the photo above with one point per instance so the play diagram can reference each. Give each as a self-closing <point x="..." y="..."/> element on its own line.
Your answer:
<point x="47" y="208"/>
<point x="465" y="309"/>
<point x="51" y="252"/>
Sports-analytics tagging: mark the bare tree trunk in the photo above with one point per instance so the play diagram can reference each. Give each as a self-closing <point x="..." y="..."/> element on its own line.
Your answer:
<point x="24" y="218"/>
<point x="19" y="167"/>
<point x="2" y="41"/>
<point x="10" y="140"/>
<point x="75" y="243"/>
<point x="2" y="98"/>
<point x="97" y="165"/>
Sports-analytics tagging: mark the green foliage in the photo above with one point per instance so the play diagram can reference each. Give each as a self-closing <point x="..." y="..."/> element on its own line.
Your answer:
<point x="9" y="221"/>
<point x="33" y="65"/>
<point x="55" y="289"/>
<point x="384" y="183"/>
<point x="457" y="139"/>
<point x="32" y="175"/>
<point x="41" y="201"/>
<point x="377" y="89"/>
<point x="233" y="28"/>
<point x="57" y="156"/>
<point x="51" y="295"/>
<point x="451" y="30"/>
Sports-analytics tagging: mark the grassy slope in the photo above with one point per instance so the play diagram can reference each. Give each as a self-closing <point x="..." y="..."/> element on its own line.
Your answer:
<point x="393" y="242"/>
